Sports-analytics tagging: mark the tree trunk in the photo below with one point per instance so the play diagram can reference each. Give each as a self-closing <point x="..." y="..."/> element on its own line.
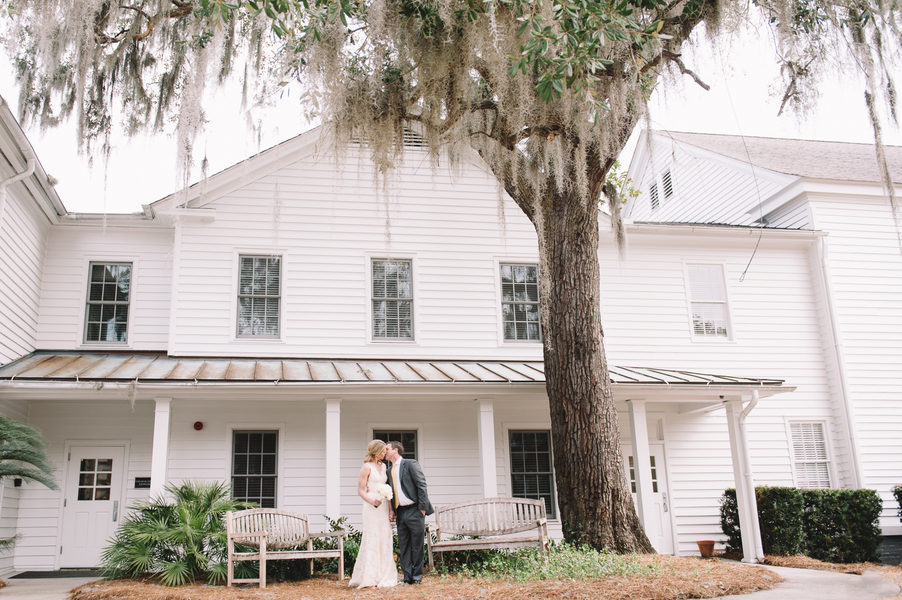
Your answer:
<point x="593" y="494"/>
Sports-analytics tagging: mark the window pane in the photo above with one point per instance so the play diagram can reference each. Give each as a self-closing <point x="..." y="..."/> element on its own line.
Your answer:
<point x="407" y="438"/>
<point x="255" y="466"/>
<point x="520" y="302"/>
<point x="531" y="467"/>
<point x="259" y="295"/>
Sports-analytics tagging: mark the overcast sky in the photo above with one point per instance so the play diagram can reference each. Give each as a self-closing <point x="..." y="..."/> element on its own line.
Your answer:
<point x="743" y="100"/>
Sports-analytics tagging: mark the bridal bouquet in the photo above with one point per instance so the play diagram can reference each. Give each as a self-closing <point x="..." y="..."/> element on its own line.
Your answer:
<point x="385" y="491"/>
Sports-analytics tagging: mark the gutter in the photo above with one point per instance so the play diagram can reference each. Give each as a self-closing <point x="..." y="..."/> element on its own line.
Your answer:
<point x="841" y="371"/>
<point x="751" y="498"/>
<point x="30" y="161"/>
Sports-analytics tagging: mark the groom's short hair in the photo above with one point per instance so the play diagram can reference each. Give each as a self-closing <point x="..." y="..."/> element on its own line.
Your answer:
<point x="397" y="446"/>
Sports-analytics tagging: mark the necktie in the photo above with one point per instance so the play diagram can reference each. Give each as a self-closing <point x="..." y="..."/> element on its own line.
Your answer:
<point x="394" y="483"/>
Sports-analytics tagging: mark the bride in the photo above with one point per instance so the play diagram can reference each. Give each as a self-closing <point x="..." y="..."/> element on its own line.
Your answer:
<point x="375" y="566"/>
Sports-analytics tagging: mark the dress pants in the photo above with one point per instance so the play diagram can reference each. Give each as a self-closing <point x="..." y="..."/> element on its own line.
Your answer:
<point x="411" y="539"/>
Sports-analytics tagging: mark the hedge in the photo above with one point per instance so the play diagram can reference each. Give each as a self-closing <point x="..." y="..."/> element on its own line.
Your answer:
<point x="897" y="492"/>
<point x="831" y="525"/>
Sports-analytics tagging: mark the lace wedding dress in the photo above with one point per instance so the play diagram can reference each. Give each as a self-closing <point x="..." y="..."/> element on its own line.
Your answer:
<point x="375" y="566"/>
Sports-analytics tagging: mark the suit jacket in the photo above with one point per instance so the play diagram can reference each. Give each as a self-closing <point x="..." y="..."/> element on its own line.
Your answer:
<point x="413" y="483"/>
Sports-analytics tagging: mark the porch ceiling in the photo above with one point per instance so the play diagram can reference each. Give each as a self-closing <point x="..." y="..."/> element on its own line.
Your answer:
<point x="161" y="369"/>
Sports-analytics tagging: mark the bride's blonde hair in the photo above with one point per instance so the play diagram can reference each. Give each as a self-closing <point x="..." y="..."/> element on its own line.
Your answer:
<point x="373" y="450"/>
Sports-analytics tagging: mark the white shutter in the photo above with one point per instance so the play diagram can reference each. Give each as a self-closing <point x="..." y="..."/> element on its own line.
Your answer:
<point x="809" y="446"/>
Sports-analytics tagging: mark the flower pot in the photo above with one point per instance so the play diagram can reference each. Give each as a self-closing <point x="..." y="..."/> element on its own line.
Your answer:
<point x="706" y="548"/>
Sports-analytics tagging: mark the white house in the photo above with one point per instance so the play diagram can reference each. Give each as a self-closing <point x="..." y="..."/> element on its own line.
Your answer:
<point x="264" y="327"/>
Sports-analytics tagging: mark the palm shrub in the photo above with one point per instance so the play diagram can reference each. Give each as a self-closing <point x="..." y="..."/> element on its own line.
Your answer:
<point x="23" y="454"/>
<point x="179" y="541"/>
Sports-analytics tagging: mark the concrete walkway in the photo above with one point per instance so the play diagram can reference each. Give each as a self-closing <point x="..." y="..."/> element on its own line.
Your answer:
<point x="800" y="584"/>
<point x="808" y="584"/>
<point x="42" y="589"/>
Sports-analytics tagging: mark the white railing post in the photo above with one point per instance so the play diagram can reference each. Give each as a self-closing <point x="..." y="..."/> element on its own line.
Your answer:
<point x="160" y="454"/>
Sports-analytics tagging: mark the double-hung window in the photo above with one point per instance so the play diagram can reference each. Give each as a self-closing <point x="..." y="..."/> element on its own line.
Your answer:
<point x="531" y="472"/>
<point x="254" y="467"/>
<point x="708" y="301"/>
<point x="809" y="448"/>
<point x="259" y="296"/>
<point x="520" y="302"/>
<point x="392" y="299"/>
<point x="109" y="291"/>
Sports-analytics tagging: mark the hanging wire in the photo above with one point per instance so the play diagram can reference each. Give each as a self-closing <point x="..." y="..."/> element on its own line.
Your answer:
<point x="754" y="176"/>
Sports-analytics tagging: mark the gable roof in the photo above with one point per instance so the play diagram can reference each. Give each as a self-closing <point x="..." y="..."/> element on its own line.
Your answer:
<point x="803" y="158"/>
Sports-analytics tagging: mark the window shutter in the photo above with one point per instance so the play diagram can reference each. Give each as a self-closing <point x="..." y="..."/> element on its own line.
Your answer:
<point x="809" y="446"/>
<point x="668" y="185"/>
<point x="653" y="196"/>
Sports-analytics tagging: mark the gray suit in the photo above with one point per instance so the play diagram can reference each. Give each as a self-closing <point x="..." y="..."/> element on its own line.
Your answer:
<point x="410" y="520"/>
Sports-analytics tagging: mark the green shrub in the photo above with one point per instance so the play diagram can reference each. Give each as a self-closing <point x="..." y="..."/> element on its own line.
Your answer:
<point x="830" y="525"/>
<point x="179" y="542"/>
<point x="897" y="492"/>
<point x="841" y="525"/>
<point x="780" y="517"/>
<point x="729" y="520"/>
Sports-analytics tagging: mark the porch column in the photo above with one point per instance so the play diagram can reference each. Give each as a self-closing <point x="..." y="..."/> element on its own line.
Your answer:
<point x="645" y="505"/>
<point x="159" y="457"/>
<point x="485" y="424"/>
<point x="333" y="457"/>
<point x="745" y="493"/>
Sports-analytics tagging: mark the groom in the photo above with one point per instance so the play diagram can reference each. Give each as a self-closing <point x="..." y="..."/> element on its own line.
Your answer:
<point x="411" y="505"/>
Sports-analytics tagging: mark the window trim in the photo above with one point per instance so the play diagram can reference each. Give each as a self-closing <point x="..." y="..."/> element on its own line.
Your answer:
<point x="506" y="428"/>
<point x="237" y="253"/>
<point x="727" y="303"/>
<point x="93" y="259"/>
<point x="499" y="311"/>
<point x="231" y="428"/>
<point x="369" y="257"/>
<point x="501" y="302"/>
<point x="238" y="296"/>
<point x="828" y="446"/>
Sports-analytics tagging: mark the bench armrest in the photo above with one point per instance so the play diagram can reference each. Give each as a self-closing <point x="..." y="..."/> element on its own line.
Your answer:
<point x="542" y="521"/>
<point x="338" y="533"/>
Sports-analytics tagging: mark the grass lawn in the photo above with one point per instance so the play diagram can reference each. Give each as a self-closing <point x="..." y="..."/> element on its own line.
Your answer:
<point x="654" y="578"/>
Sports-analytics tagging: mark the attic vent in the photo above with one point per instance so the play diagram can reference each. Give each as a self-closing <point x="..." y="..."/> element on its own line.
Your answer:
<point x="411" y="139"/>
<point x="668" y="185"/>
<point x="653" y="196"/>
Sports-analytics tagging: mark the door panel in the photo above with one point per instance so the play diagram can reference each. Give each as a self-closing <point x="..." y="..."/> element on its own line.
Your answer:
<point x="93" y="493"/>
<point x="658" y="524"/>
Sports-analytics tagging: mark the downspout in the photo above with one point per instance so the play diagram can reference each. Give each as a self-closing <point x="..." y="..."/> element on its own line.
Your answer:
<point x="751" y="499"/>
<point x="30" y="162"/>
<point x="839" y="357"/>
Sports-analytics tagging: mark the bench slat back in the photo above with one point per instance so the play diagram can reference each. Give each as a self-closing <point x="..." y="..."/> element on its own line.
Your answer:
<point x="283" y="529"/>
<point x="489" y="516"/>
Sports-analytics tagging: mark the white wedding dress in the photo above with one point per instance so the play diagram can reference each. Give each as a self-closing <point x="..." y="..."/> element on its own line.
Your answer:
<point x="375" y="566"/>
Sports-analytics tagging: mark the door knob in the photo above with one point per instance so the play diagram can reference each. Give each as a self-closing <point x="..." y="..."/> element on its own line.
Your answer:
<point x="115" y="510"/>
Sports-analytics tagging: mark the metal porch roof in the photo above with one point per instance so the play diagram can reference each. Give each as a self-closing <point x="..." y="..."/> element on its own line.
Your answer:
<point x="161" y="368"/>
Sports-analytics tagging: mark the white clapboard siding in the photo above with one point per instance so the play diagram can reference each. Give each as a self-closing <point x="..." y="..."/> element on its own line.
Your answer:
<point x="706" y="188"/>
<point x="77" y="422"/>
<point x="23" y="237"/>
<point x="327" y="225"/>
<point x="866" y="272"/>
<point x="71" y="249"/>
<point x="792" y="215"/>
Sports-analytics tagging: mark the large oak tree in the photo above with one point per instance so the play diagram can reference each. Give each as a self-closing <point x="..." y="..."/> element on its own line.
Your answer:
<point x="546" y="91"/>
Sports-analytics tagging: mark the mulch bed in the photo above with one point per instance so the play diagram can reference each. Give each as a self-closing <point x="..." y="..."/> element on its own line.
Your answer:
<point x="675" y="578"/>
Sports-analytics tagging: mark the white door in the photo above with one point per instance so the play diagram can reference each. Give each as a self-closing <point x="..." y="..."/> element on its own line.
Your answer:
<point x="658" y="525"/>
<point x="92" y="503"/>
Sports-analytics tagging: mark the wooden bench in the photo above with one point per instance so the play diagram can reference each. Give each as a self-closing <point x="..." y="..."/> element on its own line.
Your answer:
<point x="270" y="530"/>
<point x="489" y="517"/>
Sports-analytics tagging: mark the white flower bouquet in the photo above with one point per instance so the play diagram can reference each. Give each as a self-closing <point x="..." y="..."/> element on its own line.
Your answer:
<point x="385" y="491"/>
